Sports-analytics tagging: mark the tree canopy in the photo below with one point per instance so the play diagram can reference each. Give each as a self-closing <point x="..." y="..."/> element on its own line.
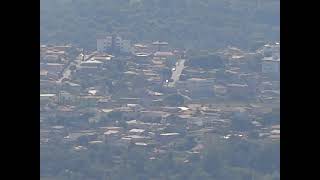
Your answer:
<point x="183" y="23"/>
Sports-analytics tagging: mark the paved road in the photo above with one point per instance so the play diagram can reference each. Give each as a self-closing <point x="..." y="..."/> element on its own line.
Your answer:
<point x="176" y="74"/>
<point x="67" y="72"/>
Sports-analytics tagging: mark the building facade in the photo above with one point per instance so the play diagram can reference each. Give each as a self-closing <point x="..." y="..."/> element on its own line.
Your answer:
<point x="113" y="44"/>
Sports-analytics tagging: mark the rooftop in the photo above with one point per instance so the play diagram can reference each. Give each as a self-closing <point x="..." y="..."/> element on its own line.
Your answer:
<point x="276" y="131"/>
<point x="163" y="54"/>
<point x="95" y="142"/>
<point x="57" y="127"/>
<point x="54" y="64"/>
<point x="137" y="130"/>
<point x="169" y="134"/>
<point x="270" y="59"/>
<point x="197" y="79"/>
<point x="109" y="132"/>
<point x="101" y="58"/>
<point x="106" y="110"/>
<point x="237" y="85"/>
<point x="135" y="137"/>
<point x="160" y="43"/>
<point x="47" y="95"/>
<point x="140" y="46"/>
<point x="92" y="62"/>
<point x="140" y="144"/>
<point x="237" y="57"/>
<point x="111" y="128"/>
<point x="142" y="54"/>
<point x="183" y="108"/>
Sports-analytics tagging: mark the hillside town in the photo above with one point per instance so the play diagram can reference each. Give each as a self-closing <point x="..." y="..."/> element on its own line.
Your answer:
<point x="156" y="97"/>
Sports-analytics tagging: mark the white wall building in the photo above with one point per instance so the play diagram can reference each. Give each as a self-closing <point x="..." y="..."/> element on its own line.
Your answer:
<point x="105" y="43"/>
<point x="44" y="98"/>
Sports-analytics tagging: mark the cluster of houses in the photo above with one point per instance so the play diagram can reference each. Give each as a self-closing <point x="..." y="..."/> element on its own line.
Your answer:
<point x="120" y="98"/>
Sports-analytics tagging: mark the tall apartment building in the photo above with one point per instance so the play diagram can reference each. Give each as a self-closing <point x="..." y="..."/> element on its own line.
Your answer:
<point x="113" y="44"/>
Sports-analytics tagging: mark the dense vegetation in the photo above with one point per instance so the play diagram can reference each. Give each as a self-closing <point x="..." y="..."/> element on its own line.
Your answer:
<point x="206" y="62"/>
<point x="238" y="160"/>
<point x="201" y="24"/>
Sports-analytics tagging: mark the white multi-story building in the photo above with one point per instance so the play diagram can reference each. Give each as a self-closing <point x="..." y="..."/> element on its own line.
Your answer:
<point x="107" y="44"/>
<point x="103" y="43"/>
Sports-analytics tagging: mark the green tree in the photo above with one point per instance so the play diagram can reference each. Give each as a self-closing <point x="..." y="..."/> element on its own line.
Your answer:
<point x="174" y="100"/>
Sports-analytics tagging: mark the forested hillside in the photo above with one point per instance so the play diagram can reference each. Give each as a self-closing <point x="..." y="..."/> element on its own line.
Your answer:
<point x="202" y="24"/>
<point x="242" y="160"/>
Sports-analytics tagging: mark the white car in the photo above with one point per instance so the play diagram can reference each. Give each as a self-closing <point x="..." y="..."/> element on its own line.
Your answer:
<point x="173" y="69"/>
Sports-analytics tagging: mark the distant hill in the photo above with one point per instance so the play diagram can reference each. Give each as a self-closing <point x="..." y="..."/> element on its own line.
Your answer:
<point x="183" y="23"/>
